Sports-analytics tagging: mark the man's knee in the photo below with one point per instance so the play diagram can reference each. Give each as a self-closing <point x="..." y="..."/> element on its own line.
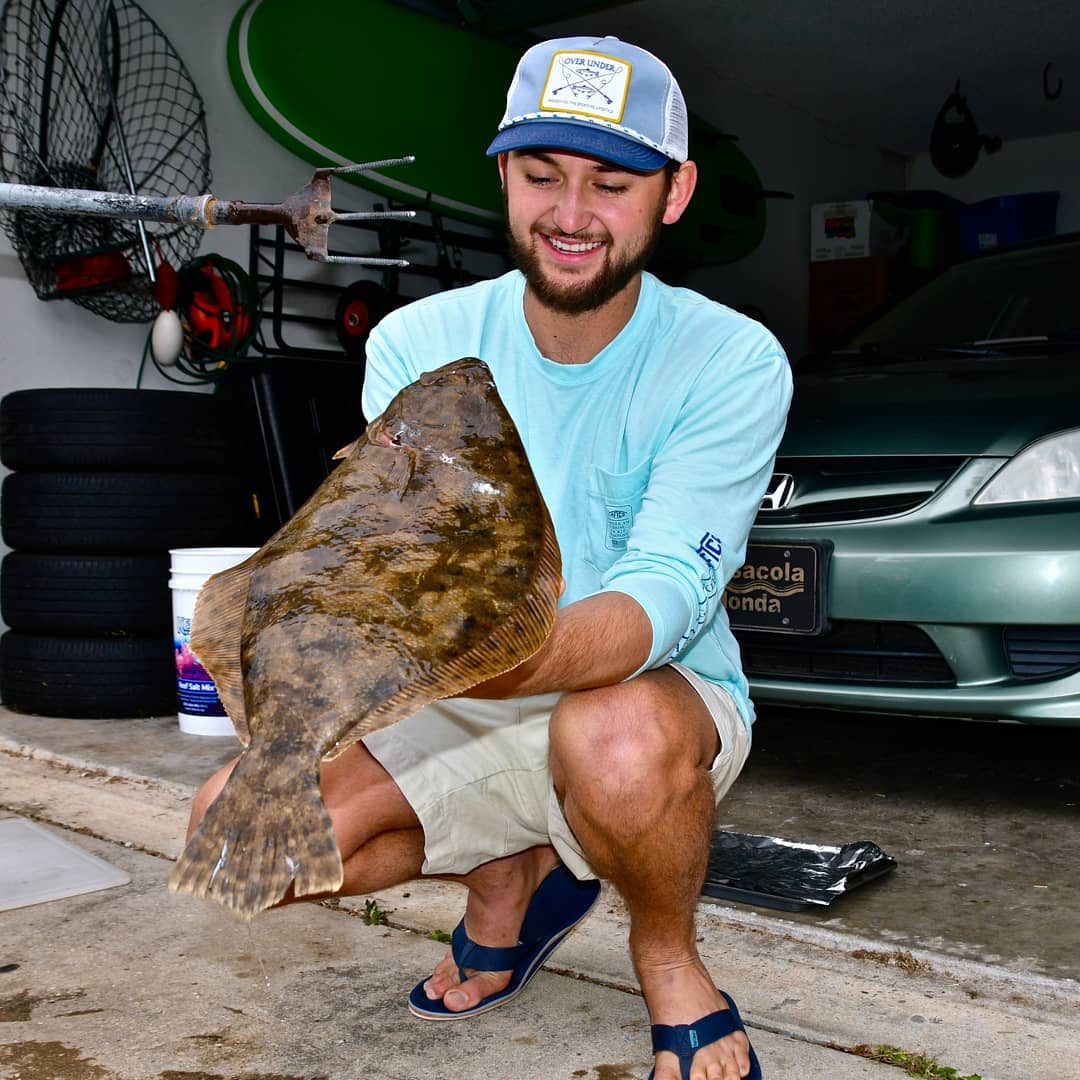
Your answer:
<point x="609" y="741"/>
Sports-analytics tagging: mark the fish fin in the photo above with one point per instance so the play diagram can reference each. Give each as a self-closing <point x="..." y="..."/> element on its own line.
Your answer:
<point x="402" y="470"/>
<point x="528" y="627"/>
<point x="249" y="847"/>
<point x="345" y="451"/>
<point x="216" y="636"/>
<point x="518" y="637"/>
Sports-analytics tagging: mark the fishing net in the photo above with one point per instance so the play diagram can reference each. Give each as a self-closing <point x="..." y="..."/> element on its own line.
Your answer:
<point x="83" y="81"/>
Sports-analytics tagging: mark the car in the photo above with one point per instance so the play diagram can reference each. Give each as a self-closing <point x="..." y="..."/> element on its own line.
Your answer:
<point x="918" y="548"/>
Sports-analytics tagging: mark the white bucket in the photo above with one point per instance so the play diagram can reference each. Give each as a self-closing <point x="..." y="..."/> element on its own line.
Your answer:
<point x="199" y="708"/>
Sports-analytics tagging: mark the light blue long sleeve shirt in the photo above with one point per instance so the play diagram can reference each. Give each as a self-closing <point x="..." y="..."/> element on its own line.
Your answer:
<point x="652" y="458"/>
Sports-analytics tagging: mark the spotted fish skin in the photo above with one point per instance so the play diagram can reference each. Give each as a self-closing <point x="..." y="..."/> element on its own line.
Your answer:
<point x="425" y="563"/>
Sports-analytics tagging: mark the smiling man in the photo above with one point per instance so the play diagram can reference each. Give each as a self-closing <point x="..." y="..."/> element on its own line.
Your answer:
<point x="651" y="416"/>
<point x="587" y="271"/>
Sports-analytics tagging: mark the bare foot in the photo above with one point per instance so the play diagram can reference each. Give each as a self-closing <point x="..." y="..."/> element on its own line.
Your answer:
<point x="499" y="894"/>
<point x="683" y="994"/>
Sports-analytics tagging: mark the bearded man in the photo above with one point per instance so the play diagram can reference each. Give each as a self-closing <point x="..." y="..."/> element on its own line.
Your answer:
<point x="651" y="417"/>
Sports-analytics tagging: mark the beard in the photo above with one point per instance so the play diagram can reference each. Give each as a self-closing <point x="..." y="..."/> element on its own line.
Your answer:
<point x="589" y="295"/>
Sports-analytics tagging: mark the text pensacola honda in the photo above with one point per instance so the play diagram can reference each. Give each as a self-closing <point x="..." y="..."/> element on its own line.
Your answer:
<point x="918" y="550"/>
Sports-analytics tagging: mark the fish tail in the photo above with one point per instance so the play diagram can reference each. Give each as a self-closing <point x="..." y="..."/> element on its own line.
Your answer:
<point x="249" y="847"/>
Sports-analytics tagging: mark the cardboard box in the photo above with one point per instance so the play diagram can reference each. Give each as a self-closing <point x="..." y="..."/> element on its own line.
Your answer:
<point x="856" y="230"/>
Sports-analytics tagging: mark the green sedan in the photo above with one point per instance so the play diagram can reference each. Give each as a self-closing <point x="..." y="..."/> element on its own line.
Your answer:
<point x="918" y="549"/>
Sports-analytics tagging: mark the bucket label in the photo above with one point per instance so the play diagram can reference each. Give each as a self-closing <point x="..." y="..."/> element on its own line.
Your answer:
<point x="196" y="694"/>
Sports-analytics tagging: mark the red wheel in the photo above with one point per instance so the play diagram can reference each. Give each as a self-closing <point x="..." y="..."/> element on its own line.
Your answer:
<point x="359" y="308"/>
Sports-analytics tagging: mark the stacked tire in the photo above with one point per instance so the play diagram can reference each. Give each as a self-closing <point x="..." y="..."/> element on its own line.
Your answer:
<point x="104" y="483"/>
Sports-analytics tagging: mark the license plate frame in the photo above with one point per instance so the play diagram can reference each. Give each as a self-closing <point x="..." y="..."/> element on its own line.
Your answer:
<point x="781" y="588"/>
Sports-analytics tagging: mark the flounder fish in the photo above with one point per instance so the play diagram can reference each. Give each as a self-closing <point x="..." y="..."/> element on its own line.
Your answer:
<point x="424" y="564"/>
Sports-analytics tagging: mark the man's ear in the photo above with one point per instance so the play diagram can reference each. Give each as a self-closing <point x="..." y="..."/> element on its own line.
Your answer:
<point x="682" y="187"/>
<point x="502" y="169"/>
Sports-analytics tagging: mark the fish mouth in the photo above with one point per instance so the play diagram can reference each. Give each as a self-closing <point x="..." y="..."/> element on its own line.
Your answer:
<point x="379" y="436"/>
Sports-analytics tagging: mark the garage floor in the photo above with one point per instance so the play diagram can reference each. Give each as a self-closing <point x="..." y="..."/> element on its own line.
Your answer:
<point x="982" y="819"/>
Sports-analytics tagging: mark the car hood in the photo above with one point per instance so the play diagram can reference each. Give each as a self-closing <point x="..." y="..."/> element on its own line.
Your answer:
<point x="940" y="405"/>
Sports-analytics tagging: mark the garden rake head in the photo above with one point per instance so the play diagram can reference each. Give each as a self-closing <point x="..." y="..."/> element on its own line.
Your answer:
<point x="307" y="214"/>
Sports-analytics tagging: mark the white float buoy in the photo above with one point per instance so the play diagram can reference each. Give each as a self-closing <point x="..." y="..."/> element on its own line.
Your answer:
<point x="167" y="338"/>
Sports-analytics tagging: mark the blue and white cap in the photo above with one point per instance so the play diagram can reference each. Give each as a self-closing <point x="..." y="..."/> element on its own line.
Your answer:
<point x="598" y="96"/>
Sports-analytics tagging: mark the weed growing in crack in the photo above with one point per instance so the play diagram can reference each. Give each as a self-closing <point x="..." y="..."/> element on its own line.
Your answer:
<point x="917" y="1065"/>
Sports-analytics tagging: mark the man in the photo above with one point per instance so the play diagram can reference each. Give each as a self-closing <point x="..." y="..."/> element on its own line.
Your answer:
<point x="651" y="418"/>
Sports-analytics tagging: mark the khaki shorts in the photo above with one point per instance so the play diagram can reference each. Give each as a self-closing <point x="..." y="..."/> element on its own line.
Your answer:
<point x="476" y="774"/>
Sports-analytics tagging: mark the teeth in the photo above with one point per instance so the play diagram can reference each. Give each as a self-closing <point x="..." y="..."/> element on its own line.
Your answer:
<point x="574" y="247"/>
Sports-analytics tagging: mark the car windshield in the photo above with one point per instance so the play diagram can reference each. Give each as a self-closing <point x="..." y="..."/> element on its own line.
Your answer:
<point x="1030" y="293"/>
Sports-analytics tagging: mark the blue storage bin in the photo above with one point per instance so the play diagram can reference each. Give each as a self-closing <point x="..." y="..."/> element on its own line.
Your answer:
<point x="1007" y="220"/>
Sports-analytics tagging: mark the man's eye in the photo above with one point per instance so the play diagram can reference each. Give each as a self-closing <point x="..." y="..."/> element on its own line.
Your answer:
<point x="538" y="180"/>
<point x="612" y="189"/>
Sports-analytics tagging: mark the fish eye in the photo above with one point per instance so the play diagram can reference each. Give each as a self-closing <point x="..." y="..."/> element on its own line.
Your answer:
<point x="401" y="433"/>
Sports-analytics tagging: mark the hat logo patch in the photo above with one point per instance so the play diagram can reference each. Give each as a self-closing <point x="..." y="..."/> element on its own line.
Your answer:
<point x="587" y="84"/>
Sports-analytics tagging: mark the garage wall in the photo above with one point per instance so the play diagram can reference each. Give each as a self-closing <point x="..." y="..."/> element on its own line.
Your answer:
<point x="57" y="343"/>
<point x="1050" y="163"/>
<point x="791" y="151"/>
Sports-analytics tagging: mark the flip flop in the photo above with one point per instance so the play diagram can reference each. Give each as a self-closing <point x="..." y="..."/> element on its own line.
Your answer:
<point x="557" y="906"/>
<point x="685" y="1040"/>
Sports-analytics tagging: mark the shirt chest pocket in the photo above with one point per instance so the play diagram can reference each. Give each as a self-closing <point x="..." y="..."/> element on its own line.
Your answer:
<point x="614" y="501"/>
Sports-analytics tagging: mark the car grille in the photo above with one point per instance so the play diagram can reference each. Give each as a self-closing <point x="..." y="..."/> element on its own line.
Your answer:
<point x="1042" y="652"/>
<point x="893" y="654"/>
<point x="857" y="488"/>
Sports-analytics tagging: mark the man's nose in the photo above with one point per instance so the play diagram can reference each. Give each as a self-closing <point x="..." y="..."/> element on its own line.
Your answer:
<point x="571" y="213"/>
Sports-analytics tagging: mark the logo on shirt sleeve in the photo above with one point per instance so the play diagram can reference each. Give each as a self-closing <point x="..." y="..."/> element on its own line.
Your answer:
<point x="710" y="549"/>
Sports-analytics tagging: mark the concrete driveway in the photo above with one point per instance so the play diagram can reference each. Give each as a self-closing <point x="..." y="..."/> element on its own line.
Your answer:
<point x="133" y="983"/>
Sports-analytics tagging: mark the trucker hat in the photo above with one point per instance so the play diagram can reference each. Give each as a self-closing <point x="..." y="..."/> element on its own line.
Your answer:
<point x="598" y="96"/>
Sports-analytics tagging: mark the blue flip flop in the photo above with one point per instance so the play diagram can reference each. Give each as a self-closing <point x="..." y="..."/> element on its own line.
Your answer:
<point x="685" y="1040"/>
<point x="557" y="906"/>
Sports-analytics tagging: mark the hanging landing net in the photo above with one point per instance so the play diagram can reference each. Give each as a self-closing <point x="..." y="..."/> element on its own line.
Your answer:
<point x="83" y="80"/>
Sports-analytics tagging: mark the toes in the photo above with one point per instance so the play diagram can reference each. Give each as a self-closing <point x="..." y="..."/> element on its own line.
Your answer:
<point x="457" y="1000"/>
<point x="712" y="1062"/>
<point x="445" y="977"/>
<point x="440" y="984"/>
<point x="474" y="989"/>
<point x="445" y="985"/>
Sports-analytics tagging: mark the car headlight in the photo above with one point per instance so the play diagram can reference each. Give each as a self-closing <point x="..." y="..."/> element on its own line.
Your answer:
<point x="1048" y="469"/>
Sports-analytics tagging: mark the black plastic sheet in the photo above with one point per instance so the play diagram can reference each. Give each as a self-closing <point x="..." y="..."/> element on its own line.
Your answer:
<point x="768" y="871"/>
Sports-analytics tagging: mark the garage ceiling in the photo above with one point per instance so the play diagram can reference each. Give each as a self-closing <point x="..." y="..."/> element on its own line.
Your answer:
<point x="875" y="70"/>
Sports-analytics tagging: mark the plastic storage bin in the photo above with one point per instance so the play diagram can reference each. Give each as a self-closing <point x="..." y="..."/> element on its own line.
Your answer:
<point x="1007" y="220"/>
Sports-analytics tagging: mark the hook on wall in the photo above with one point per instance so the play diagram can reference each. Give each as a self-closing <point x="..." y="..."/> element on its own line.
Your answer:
<point x="1051" y="95"/>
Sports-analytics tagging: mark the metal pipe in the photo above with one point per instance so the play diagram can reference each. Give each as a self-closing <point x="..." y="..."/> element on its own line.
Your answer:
<point x="181" y="209"/>
<point x="185" y="210"/>
<point x="306" y="214"/>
